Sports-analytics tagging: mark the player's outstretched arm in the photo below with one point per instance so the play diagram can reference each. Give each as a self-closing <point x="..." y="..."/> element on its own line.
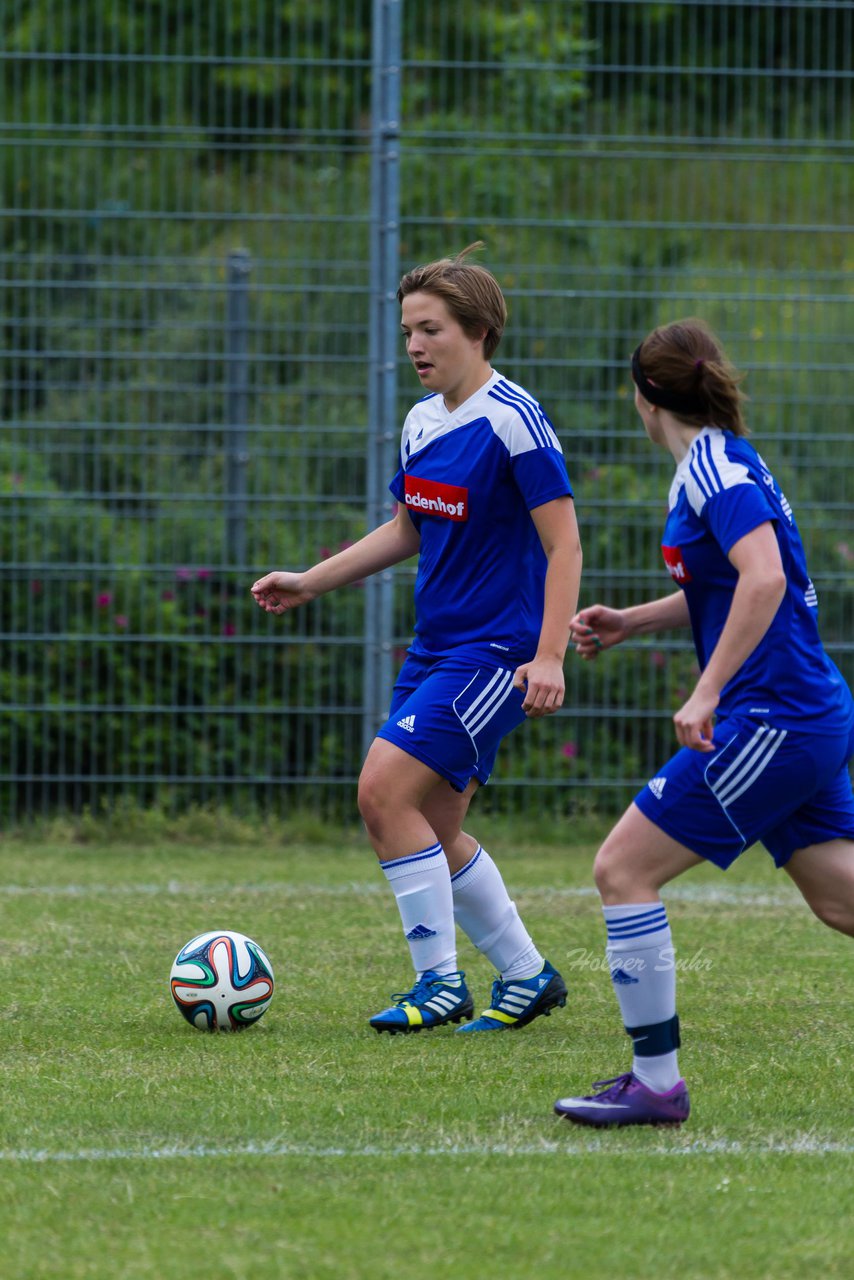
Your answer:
<point x="599" y="627"/>
<point x="391" y="543"/>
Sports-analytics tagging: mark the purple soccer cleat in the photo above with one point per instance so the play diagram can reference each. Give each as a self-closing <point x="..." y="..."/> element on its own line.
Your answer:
<point x="624" y="1100"/>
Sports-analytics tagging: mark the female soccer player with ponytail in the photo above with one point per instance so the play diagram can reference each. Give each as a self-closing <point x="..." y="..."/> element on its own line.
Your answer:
<point x="765" y="736"/>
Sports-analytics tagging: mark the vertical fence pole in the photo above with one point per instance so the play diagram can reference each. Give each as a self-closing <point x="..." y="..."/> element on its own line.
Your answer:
<point x="384" y="326"/>
<point x="238" y="269"/>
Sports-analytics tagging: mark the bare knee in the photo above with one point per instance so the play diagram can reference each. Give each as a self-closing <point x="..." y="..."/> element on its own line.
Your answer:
<point x="618" y="877"/>
<point x="824" y="873"/>
<point x="836" y="915"/>
<point x="375" y="800"/>
<point x="637" y="859"/>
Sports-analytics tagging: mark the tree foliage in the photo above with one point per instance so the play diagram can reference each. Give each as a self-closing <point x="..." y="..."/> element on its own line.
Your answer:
<point x="150" y="137"/>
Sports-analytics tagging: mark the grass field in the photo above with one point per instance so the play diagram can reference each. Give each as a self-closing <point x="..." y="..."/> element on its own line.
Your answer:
<point x="308" y="1147"/>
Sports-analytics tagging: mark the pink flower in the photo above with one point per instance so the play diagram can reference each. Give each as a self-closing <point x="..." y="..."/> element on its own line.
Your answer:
<point x="167" y="595"/>
<point x="345" y="544"/>
<point x="325" y="553"/>
<point x="121" y="620"/>
<point x="658" y="659"/>
<point x="202" y="574"/>
<point x="570" y="750"/>
<point x="104" y="600"/>
<point x="229" y="629"/>
<point x="183" y="574"/>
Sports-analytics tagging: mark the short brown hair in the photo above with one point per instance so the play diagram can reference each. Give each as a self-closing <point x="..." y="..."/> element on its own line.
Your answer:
<point x="687" y="358"/>
<point x="470" y="292"/>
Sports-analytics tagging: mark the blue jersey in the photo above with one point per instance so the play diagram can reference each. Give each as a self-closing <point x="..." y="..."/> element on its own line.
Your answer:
<point x="469" y="480"/>
<point x="721" y="491"/>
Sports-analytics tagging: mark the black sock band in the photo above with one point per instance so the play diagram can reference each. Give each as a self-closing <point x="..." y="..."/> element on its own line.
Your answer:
<point x="657" y="1038"/>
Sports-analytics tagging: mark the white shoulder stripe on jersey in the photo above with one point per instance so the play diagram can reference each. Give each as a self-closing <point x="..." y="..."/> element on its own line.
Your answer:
<point x="701" y="471"/>
<point x="702" y="485"/>
<point x="703" y="466"/>
<point x="516" y="393"/>
<point x="543" y="418"/>
<point x="527" y="417"/>
<point x="711" y="469"/>
<point x="531" y="413"/>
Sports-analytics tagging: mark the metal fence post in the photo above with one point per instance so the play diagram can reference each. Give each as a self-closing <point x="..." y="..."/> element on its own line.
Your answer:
<point x="383" y="347"/>
<point x="238" y="269"/>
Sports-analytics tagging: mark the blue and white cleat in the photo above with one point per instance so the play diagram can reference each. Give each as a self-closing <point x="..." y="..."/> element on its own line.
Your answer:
<point x="518" y="1001"/>
<point x="624" y="1100"/>
<point x="434" y="1000"/>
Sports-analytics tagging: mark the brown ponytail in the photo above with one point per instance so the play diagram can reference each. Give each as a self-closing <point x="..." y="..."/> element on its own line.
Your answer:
<point x="686" y="358"/>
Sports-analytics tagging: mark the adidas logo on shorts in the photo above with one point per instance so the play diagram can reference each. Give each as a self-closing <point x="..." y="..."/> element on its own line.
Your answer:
<point x="407" y="723"/>
<point x="657" y="786"/>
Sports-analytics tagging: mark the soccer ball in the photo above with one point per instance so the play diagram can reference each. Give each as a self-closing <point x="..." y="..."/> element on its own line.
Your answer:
<point x="222" y="981"/>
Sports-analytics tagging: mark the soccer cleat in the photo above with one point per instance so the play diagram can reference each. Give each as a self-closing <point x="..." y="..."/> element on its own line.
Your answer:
<point x="624" y="1100"/>
<point x="518" y="1001"/>
<point x="434" y="1000"/>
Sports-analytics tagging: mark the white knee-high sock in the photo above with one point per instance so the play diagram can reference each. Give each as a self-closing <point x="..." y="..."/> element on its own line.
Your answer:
<point x="422" y="886"/>
<point x="484" y="911"/>
<point x="640" y="957"/>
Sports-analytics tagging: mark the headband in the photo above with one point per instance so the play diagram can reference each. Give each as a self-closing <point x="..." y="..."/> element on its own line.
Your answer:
<point x="677" y="401"/>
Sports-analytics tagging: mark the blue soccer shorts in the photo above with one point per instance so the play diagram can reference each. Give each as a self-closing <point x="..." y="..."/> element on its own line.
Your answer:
<point x="786" y="788"/>
<point x="451" y="714"/>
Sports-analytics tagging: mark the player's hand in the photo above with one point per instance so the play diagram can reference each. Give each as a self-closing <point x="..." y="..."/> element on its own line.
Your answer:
<point x="695" y="721"/>
<point x="277" y="592"/>
<point x="541" y="680"/>
<point x="596" y="628"/>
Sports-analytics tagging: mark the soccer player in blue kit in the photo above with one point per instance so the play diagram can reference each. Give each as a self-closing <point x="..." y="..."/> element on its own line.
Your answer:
<point x="765" y="736"/>
<point x="485" y="502"/>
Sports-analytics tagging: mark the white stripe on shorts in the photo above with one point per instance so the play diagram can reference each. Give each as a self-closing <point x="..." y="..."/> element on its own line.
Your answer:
<point x="750" y="762"/>
<point x="487" y="704"/>
<point x="480" y="697"/>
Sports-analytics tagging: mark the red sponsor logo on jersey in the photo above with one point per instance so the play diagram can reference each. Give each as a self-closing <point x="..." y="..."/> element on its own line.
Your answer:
<point x="675" y="564"/>
<point x="431" y="498"/>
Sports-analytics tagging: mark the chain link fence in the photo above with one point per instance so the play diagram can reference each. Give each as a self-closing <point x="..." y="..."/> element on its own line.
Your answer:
<point x="205" y="210"/>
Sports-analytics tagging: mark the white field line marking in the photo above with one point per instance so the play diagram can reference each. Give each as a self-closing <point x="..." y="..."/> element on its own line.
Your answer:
<point x="800" y="1145"/>
<point x="711" y="895"/>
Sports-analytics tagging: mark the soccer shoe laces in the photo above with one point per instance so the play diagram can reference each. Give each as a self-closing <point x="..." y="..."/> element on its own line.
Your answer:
<point x="618" y="1084"/>
<point x="421" y="990"/>
<point x="499" y="990"/>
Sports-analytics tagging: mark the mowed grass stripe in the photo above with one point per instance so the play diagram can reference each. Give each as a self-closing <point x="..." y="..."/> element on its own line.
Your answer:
<point x="801" y="1145"/>
<point x="706" y="894"/>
